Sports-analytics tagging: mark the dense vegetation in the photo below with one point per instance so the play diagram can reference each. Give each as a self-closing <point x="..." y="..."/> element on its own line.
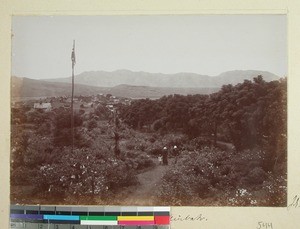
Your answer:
<point x="236" y="153"/>
<point x="249" y="115"/>
<point x="232" y="149"/>
<point x="43" y="164"/>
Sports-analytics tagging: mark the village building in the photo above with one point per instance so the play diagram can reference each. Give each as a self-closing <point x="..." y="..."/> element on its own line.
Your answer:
<point x="42" y="106"/>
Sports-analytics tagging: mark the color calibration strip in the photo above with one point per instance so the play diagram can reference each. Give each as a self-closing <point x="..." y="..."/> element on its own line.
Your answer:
<point x="56" y="217"/>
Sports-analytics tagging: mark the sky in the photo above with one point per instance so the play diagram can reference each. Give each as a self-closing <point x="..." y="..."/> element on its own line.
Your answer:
<point x="203" y="44"/>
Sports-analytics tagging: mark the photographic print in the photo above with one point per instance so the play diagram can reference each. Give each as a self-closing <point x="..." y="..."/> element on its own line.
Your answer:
<point x="149" y="110"/>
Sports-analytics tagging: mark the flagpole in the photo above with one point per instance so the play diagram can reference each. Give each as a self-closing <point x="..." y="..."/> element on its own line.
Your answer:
<point x="72" y="99"/>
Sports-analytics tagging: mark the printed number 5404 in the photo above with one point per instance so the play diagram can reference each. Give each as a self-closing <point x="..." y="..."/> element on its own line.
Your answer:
<point x="264" y="225"/>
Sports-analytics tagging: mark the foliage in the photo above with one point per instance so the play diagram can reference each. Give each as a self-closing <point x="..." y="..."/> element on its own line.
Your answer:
<point x="84" y="172"/>
<point x="92" y="124"/>
<point x="249" y="115"/>
<point x="210" y="172"/>
<point x="102" y="111"/>
<point x="231" y="148"/>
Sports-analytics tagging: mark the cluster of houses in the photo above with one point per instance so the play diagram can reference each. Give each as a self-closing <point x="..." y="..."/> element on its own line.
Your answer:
<point x="79" y="102"/>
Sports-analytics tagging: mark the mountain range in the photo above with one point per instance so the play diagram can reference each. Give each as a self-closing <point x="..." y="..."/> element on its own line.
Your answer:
<point x="178" y="80"/>
<point x="125" y="83"/>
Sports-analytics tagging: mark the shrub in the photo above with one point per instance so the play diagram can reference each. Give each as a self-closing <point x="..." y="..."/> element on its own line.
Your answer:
<point x="155" y="151"/>
<point x="129" y="146"/>
<point x="85" y="172"/>
<point x="237" y="179"/>
<point x="144" y="162"/>
<point x="92" y="124"/>
<point x="256" y="176"/>
<point x="152" y="139"/>
<point x="200" y="142"/>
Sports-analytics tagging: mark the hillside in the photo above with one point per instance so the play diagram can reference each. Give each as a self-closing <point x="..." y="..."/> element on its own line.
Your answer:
<point x="130" y="91"/>
<point x="178" y="80"/>
<point x="25" y="87"/>
<point x="130" y="84"/>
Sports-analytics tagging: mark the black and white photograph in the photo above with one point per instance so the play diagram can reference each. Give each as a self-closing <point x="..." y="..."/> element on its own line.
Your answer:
<point x="156" y="110"/>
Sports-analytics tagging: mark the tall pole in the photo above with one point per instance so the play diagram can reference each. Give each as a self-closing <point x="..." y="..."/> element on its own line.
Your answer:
<point x="72" y="107"/>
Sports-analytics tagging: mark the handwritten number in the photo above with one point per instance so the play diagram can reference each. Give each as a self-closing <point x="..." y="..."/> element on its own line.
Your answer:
<point x="262" y="225"/>
<point x="259" y="225"/>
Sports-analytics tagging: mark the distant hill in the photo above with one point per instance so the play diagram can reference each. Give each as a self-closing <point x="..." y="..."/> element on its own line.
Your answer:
<point x="30" y="88"/>
<point x="25" y="87"/>
<point x="130" y="84"/>
<point x="179" y="80"/>
<point x="238" y="76"/>
<point x="130" y="91"/>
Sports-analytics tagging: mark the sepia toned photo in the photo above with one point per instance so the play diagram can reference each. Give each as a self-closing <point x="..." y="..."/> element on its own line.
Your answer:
<point x="149" y="110"/>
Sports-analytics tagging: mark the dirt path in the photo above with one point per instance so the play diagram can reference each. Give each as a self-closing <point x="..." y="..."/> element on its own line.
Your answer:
<point x="144" y="193"/>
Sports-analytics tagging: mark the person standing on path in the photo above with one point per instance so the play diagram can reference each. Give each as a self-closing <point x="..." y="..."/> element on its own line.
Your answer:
<point x="175" y="153"/>
<point x="165" y="156"/>
<point x="159" y="159"/>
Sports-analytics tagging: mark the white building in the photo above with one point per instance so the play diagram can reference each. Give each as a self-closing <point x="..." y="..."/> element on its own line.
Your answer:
<point x="42" y="106"/>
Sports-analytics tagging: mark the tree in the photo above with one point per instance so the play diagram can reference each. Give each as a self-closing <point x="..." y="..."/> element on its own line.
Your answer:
<point x="92" y="124"/>
<point x="62" y="129"/>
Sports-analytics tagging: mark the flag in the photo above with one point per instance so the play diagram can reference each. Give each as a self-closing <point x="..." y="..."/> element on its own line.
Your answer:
<point x="73" y="55"/>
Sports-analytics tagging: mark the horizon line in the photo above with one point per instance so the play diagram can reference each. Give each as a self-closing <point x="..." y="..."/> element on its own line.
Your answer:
<point x="136" y="71"/>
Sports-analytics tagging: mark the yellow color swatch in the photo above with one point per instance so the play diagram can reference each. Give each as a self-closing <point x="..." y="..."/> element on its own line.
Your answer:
<point x="135" y="218"/>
